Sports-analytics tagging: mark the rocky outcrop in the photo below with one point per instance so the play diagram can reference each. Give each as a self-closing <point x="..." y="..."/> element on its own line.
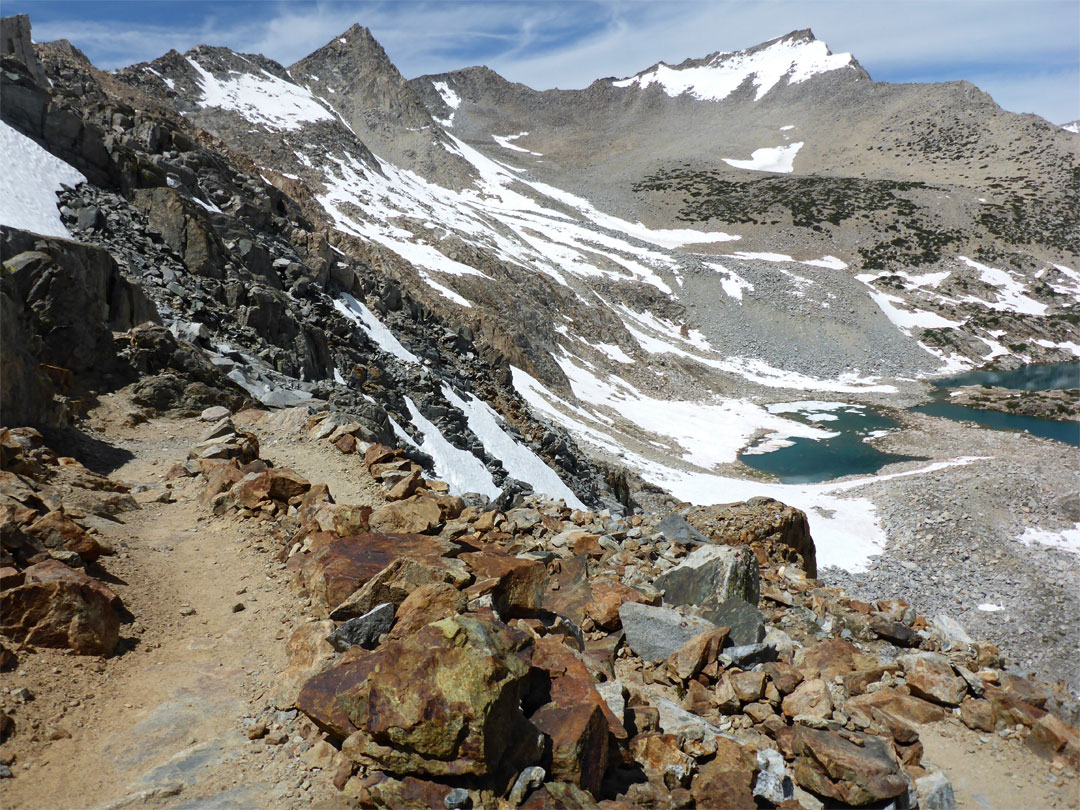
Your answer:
<point x="65" y="301"/>
<point x="46" y="598"/>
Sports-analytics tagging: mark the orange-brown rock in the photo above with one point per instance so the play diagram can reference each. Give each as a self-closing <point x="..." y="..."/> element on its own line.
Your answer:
<point x="520" y="582"/>
<point x="783" y="675"/>
<point x="695" y="654"/>
<point x="1010" y="709"/>
<point x="445" y="701"/>
<point x="933" y="679"/>
<point x="1053" y="738"/>
<point x="346" y="443"/>
<point x="57" y="606"/>
<point x="977" y="714"/>
<point x="309" y="655"/>
<point x="811" y="698"/>
<point x="221" y="477"/>
<point x="333" y="572"/>
<point x="906" y="707"/>
<point x="829" y="658"/>
<point x="727" y="780"/>
<point x="775" y="532"/>
<point x="748" y="686"/>
<point x="608" y="595"/>
<point x="57" y="530"/>
<point x="415" y="515"/>
<point x="428" y="603"/>
<point x="396" y="581"/>
<point x="377" y="790"/>
<point x="378" y="454"/>
<point x="855" y="769"/>
<point x="350" y="520"/>
<point x="405" y="487"/>
<point x="662" y="760"/>
<point x="318" y="697"/>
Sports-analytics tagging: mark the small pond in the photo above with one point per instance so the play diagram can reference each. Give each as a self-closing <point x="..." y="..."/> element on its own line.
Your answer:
<point x="1028" y="378"/>
<point x="846" y="452"/>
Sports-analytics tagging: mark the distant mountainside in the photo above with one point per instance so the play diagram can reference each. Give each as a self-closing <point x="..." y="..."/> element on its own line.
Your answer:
<point x="743" y="225"/>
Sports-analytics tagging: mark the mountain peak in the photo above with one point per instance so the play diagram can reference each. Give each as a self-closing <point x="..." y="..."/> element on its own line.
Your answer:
<point x="797" y="56"/>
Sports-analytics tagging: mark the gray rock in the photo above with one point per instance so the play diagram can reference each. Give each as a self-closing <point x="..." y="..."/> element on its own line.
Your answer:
<point x="935" y="792"/>
<point x="773" y="783"/>
<point x="951" y="631"/>
<point x="215" y="413"/>
<point x="744" y="620"/>
<point x="747" y="653"/>
<point x="654" y="633"/>
<point x="223" y="427"/>
<point x="365" y="630"/>
<point x="614" y="695"/>
<point x="528" y="780"/>
<point x="675" y="529"/>
<point x="457" y="799"/>
<point x="712" y="574"/>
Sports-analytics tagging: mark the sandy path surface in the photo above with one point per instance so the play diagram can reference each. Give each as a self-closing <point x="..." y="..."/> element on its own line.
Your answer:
<point x="163" y="723"/>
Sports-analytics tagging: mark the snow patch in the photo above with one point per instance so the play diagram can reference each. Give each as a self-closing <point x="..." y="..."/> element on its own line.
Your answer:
<point x="1066" y="540"/>
<point x="798" y="60"/>
<point x="1011" y="296"/>
<point x="521" y="462"/>
<point x="504" y="142"/>
<point x="463" y="471"/>
<point x="266" y="99"/>
<point x="30" y="177"/>
<point x="776" y="159"/>
<point x="363" y="317"/>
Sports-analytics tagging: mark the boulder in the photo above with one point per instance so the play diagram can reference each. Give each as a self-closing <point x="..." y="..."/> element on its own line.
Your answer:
<point x="710" y="575"/>
<point x="519" y="581"/>
<point x="745" y="623"/>
<point x="608" y="595"/>
<point x="935" y="792"/>
<point x="56" y="530"/>
<point x="809" y="698"/>
<point x="57" y="606"/>
<point x="445" y="701"/>
<point x="395" y="583"/>
<point x="775" y="532"/>
<point x="575" y="719"/>
<point x="331" y="574"/>
<point x="662" y="760"/>
<point x="931" y="677"/>
<point x="418" y="514"/>
<point x="654" y="633"/>
<point x="428" y="603"/>
<point x="727" y="780"/>
<point x="697" y="653"/>
<point x="855" y="769"/>
<point x="309" y="654"/>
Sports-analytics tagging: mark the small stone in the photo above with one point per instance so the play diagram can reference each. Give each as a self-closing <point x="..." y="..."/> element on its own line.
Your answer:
<point x="22" y="695"/>
<point x="277" y="738"/>
<point x="239" y="606"/>
<point x="457" y="799"/>
<point x="187" y="610"/>
<point x="528" y="780"/>
<point x="256" y="730"/>
<point x="935" y="792"/>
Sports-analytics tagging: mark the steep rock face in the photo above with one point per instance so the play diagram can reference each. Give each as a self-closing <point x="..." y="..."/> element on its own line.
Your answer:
<point x="353" y="75"/>
<point x="62" y="301"/>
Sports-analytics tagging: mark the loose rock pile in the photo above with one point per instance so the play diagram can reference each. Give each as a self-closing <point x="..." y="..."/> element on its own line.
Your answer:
<point x="525" y="654"/>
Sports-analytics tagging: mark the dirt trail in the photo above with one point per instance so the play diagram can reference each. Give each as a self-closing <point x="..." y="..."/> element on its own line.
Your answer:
<point x="162" y="724"/>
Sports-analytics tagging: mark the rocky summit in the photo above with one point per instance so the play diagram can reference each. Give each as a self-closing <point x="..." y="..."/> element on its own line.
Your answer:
<point x="409" y="443"/>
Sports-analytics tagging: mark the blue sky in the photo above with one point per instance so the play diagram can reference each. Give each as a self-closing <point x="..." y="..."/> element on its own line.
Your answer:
<point x="1025" y="53"/>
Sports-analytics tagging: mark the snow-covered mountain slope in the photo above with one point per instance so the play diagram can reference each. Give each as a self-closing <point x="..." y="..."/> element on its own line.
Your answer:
<point x="650" y="259"/>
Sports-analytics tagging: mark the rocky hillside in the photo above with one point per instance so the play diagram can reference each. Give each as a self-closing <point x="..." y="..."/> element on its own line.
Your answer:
<point x="474" y="365"/>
